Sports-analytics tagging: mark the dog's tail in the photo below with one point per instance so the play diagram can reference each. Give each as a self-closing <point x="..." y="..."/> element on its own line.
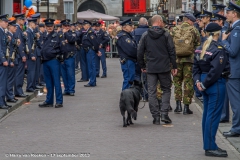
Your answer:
<point x="134" y="115"/>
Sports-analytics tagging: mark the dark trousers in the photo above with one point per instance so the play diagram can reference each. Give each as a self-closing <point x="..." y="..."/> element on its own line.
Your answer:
<point x="31" y="74"/>
<point x="213" y="98"/>
<point x="165" y="83"/>
<point x="91" y="61"/>
<point x="77" y="58"/>
<point x="11" y="72"/>
<point x="20" y="71"/>
<point x="84" y="65"/>
<point x="38" y="70"/>
<point x="233" y="91"/>
<point x="52" y="77"/>
<point x="101" y="59"/>
<point x="3" y="84"/>
<point x="68" y="74"/>
<point x="225" y="110"/>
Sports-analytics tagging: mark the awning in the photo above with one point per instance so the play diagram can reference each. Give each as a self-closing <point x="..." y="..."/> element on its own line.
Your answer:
<point x="92" y="15"/>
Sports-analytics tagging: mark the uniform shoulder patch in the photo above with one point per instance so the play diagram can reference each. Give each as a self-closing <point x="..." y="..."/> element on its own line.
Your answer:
<point x="128" y="40"/>
<point x="60" y="35"/>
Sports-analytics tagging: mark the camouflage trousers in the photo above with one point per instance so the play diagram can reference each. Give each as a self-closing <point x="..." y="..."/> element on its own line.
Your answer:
<point x="184" y="76"/>
<point x="159" y="91"/>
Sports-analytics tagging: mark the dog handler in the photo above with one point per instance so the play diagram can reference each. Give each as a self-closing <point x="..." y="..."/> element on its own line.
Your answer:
<point x="210" y="68"/>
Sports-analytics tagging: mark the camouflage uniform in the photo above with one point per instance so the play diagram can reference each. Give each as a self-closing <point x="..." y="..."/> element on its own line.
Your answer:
<point x="184" y="74"/>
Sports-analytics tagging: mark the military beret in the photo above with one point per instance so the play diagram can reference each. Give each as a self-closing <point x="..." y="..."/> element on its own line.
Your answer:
<point x="233" y="7"/>
<point x="213" y="27"/>
<point x="49" y="22"/>
<point x="190" y="16"/>
<point x="4" y="17"/>
<point x="127" y="22"/>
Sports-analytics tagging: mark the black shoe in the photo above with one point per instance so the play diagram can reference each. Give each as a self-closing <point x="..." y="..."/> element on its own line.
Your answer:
<point x="165" y="118"/>
<point x="21" y="95"/>
<point x="81" y="80"/>
<point x="38" y="87"/>
<point x="230" y="134"/>
<point x="224" y="121"/>
<point x="4" y="107"/>
<point x="88" y="85"/>
<point x="103" y="76"/>
<point x="222" y="150"/>
<point x="9" y="106"/>
<point x="216" y="153"/>
<point x="29" y="90"/>
<point x="58" y="105"/>
<point x="160" y="104"/>
<point x="186" y="110"/>
<point x="71" y="94"/>
<point x="97" y="75"/>
<point x="65" y="94"/>
<point x="12" y="100"/>
<point x="156" y="120"/>
<point x="178" y="107"/>
<point x="45" y="104"/>
<point x="170" y="109"/>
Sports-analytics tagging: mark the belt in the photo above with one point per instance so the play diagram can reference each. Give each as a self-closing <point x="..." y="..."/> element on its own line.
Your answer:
<point x="70" y="54"/>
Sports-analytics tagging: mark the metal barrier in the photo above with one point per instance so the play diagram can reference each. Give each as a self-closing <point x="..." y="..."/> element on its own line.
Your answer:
<point x="111" y="48"/>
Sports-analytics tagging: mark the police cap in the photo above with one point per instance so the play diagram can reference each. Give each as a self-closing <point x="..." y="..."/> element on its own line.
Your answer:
<point x="66" y="22"/>
<point x="98" y="24"/>
<point x="12" y="23"/>
<point x="49" y="22"/>
<point x="19" y="16"/>
<point x="94" y="24"/>
<point x="58" y="25"/>
<point x="79" y="22"/>
<point x="213" y="27"/>
<point x="37" y="15"/>
<point x="127" y="22"/>
<point x="233" y="7"/>
<point x="197" y="14"/>
<point x="190" y="17"/>
<point x="206" y="13"/>
<point x="216" y="16"/>
<point x="86" y="22"/>
<point x="41" y="25"/>
<point x="34" y="20"/>
<point x="218" y="7"/>
<point x="4" y="17"/>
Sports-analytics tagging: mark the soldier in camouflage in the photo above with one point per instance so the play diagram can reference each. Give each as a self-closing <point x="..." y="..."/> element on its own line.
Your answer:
<point x="184" y="75"/>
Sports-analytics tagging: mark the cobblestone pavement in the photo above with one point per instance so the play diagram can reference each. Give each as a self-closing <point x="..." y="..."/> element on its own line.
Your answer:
<point x="90" y="122"/>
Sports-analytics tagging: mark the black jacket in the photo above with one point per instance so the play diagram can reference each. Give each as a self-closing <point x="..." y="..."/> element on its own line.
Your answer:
<point x="160" y="51"/>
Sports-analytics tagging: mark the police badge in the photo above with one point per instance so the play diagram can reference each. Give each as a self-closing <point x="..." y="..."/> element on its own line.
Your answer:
<point x="221" y="59"/>
<point x="128" y="40"/>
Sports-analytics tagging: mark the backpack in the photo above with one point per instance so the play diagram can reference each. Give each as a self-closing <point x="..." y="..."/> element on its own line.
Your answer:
<point x="184" y="40"/>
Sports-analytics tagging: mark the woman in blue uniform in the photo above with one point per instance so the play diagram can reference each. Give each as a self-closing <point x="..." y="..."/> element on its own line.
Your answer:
<point x="210" y="69"/>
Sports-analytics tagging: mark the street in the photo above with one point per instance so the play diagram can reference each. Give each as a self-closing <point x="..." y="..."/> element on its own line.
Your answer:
<point x="91" y="123"/>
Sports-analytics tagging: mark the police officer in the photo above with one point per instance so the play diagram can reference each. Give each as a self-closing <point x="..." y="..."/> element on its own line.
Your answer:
<point x="103" y="39"/>
<point x="218" y="8"/>
<point x="91" y="48"/>
<point x="51" y="57"/>
<point x="12" y="60"/>
<point x="32" y="40"/>
<point x="68" y="39"/>
<point x="3" y="61"/>
<point x="231" y="44"/>
<point x="219" y="19"/>
<point x="205" y="17"/>
<point x="21" y="56"/>
<point x="210" y="66"/>
<point x="127" y="50"/>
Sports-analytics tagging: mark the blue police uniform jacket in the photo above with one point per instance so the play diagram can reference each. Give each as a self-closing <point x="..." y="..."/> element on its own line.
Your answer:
<point x="231" y="44"/>
<point x="40" y="43"/>
<point x="12" y="48"/>
<point x="214" y="63"/>
<point x="21" y="48"/>
<point x="51" y="46"/>
<point x="89" y="40"/>
<point x="71" y="38"/>
<point x="102" y="37"/>
<point x="3" y="46"/>
<point x="79" y="36"/>
<point x="31" y="42"/>
<point x="137" y="33"/>
<point x="126" y="45"/>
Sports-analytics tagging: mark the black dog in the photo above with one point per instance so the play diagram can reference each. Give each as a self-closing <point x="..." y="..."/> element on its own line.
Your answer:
<point x="129" y="101"/>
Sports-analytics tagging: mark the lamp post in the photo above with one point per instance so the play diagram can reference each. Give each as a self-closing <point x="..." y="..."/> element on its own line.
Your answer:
<point x="47" y="8"/>
<point x="195" y="6"/>
<point x="37" y="6"/>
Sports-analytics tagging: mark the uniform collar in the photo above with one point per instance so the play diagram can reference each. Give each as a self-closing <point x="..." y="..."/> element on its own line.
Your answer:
<point x="2" y="29"/>
<point x="10" y="33"/>
<point x="235" y="22"/>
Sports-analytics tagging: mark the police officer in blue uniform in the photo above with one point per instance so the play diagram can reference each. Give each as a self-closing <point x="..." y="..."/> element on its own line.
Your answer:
<point x="210" y="69"/>
<point x="219" y="19"/>
<point x="21" y="56"/>
<point x="103" y="39"/>
<point x="231" y="44"/>
<point x="32" y="40"/>
<point x="206" y="19"/>
<point x="91" y="49"/>
<point x="52" y="58"/>
<point x="12" y="61"/>
<point x="127" y="50"/>
<point x="3" y="61"/>
<point x="68" y="39"/>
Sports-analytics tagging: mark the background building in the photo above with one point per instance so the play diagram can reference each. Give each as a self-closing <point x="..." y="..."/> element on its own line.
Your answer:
<point x="10" y="6"/>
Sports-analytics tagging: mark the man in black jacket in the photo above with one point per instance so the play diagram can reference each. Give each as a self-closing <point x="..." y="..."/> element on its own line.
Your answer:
<point x="160" y="53"/>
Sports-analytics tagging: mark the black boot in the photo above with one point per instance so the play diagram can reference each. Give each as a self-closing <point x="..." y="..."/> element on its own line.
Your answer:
<point x="169" y="108"/>
<point x="186" y="110"/>
<point x="178" y="107"/>
<point x="160" y="104"/>
<point x="156" y="120"/>
<point x="165" y="118"/>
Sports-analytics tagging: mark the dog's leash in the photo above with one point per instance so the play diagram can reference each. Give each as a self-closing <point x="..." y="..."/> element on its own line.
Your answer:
<point x="144" y="90"/>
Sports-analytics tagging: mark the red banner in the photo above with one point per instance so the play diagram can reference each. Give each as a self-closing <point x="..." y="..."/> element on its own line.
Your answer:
<point x="134" y="6"/>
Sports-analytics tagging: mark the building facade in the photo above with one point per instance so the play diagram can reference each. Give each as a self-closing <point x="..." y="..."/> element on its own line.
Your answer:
<point x="10" y="6"/>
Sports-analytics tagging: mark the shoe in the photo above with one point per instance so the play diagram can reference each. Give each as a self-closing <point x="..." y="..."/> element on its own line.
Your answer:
<point x="224" y="121"/>
<point x="29" y="90"/>
<point x="45" y="104"/>
<point x="88" y="85"/>
<point x="97" y="75"/>
<point x="15" y="99"/>
<point x="81" y="80"/>
<point x="186" y="110"/>
<point x="21" y="95"/>
<point x="4" y="107"/>
<point x="103" y="76"/>
<point x="222" y="150"/>
<point x="165" y="118"/>
<point x="170" y="108"/>
<point x="160" y="104"/>
<point x="65" y="94"/>
<point x="178" y="107"/>
<point x="58" y="105"/>
<point x="216" y="153"/>
<point x="12" y="100"/>
<point x="156" y="120"/>
<point x="9" y="106"/>
<point x="71" y="94"/>
<point x="230" y="134"/>
<point x="38" y="87"/>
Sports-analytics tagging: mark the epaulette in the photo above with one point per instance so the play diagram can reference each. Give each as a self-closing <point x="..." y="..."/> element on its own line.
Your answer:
<point x="54" y="35"/>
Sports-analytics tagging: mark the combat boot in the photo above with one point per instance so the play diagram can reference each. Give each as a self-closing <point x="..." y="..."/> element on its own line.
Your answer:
<point x="178" y="107"/>
<point x="156" y="120"/>
<point x="186" y="110"/>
